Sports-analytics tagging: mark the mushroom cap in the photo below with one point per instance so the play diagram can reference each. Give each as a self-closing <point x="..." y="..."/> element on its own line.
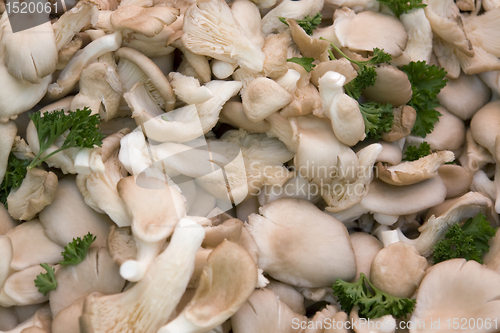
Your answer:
<point x="217" y="297"/>
<point x="19" y="288"/>
<point x="464" y="96"/>
<point x="264" y="312"/>
<point x="68" y="319"/>
<point x="37" y="191"/>
<point x="262" y="97"/>
<point x="312" y="254"/>
<point x="404" y="119"/>
<point x="97" y="272"/>
<point x="228" y="230"/>
<point x="403" y="200"/>
<point x="392" y="86"/>
<point x="368" y="30"/>
<point x="69" y="216"/>
<point x="485" y="125"/>
<point x="8" y="133"/>
<point x="148" y="21"/>
<point x="398" y="269"/>
<point x="309" y="46"/>
<point x="275" y="50"/>
<point x="31" y="246"/>
<point x="457" y="288"/>
<point x="342" y="66"/>
<point x="408" y="173"/>
<point x="6" y="221"/>
<point x="5" y="259"/>
<point x="456" y="179"/>
<point x="232" y="113"/>
<point x="288" y="295"/>
<point x="121" y="244"/>
<point x="365" y="248"/>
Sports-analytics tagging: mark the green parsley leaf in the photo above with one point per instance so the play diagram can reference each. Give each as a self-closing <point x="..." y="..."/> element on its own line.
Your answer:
<point x="426" y="82"/>
<point x="469" y="241"/>
<point x="83" y="131"/>
<point x="399" y="7"/>
<point x="76" y="251"/>
<point x="305" y="62"/>
<point x="14" y="175"/>
<point x="378" y="118"/>
<point x="366" y="78"/>
<point x="371" y="304"/>
<point x="309" y="23"/>
<point x="46" y="282"/>
<point x="413" y="153"/>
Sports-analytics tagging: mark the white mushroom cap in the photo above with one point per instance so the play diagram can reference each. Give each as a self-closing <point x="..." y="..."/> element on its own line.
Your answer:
<point x="69" y="217"/>
<point x="8" y="133"/>
<point x="6" y="221"/>
<point x="210" y="29"/>
<point x="97" y="272"/>
<point x="398" y="269"/>
<point x="314" y="254"/>
<point x="264" y="312"/>
<point x="402" y="200"/>
<point x="368" y="30"/>
<point x="457" y="289"/>
<point x="419" y="46"/>
<point x="464" y="96"/>
<point x="484" y="125"/>
<point x="31" y="246"/>
<point x="67" y="320"/>
<point x="365" y="248"/>
<point x="456" y="178"/>
<point x="247" y="15"/>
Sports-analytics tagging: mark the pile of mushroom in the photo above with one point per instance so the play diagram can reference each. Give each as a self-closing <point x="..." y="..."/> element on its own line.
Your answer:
<point x="233" y="187"/>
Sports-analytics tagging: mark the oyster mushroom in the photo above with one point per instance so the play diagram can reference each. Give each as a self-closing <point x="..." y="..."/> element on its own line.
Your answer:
<point x="215" y="301"/>
<point x="286" y="246"/>
<point x="365" y="248"/>
<point x="8" y="133"/>
<point x="408" y="173"/>
<point x="96" y="273"/>
<point x="37" y="191"/>
<point x="438" y="299"/>
<point x="385" y="31"/>
<point x="262" y="97"/>
<point x="392" y="86"/>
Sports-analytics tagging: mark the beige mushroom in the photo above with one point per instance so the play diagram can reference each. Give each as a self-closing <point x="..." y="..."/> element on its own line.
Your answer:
<point x="6" y="221"/>
<point x="446" y="57"/>
<point x="37" y="191"/>
<point x="72" y="22"/>
<point x="446" y="22"/>
<point x="368" y="30"/>
<point x="419" y="46"/>
<point x="31" y="246"/>
<point x="121" y="245"/>
<point x="365" y="248"/>
<point x="69" y="217"/>
<point x="309" y="46"/>
<point x="457" y="289"/>
<point x="230" y="230"/>
<point x="232" y="113"/>
<point x="68" y="51"/>
<point x="392" y="86"/>
<point x="408" y="173"/>
<point x="8" y="133"/>
<point x="480" y="31"/>
<point x="402" y="125"/>
<point x="146" y="21"/>
<point x="288" y="295"/>
<point x="453" y="212"/>
<point x="456" y="179"/>
<point x="39" y="322"/>
<point x="155" y="208"/>
<point x="263" y="97"/>
<point x="481" y="62"/>
<point x="342" y="66"/>
<point x="275" y="50"/>
<point x="286" y="254"/>
<point x="384" y="324"/>
<point x="100" y="90"/>
<point x="145" y="70"/>
<point x="71" y="73"/>
<point x="247" y="15"/>
<point x="8" y="319"/>
<point x="210" y="29"/>
<point x="386" y="199"/>
<point x="398" y="269"/>
<point x="67" y="320"/>
<point x="97" y="272"/>
<point x="464" y="96"/>
<point x="484" y="125"/>
<point x="265" y="312"/>
<point x="215" y="301"/>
